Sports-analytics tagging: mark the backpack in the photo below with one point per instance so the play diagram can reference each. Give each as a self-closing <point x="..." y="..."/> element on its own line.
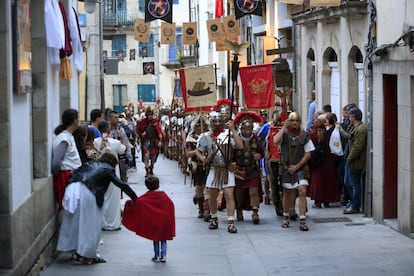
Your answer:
<point x="318" y="155"/>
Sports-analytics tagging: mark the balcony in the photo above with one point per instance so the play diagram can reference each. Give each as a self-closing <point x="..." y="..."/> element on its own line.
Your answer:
<point x="120" y="19"/>
<point x="296" y="9"/>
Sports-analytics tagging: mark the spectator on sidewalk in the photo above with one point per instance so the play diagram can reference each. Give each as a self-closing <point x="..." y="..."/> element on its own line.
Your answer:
<point x="65" y="155"/>
<point x="356" y="159"/>
<point x="80" y="231"/>
<point x="311" y="111"/>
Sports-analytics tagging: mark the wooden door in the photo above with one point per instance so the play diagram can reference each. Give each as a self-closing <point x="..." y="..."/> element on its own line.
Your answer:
<point x="390" y="146"/>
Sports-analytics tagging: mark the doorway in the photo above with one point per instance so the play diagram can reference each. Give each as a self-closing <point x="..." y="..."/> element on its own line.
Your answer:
<point x="390" y="146"/>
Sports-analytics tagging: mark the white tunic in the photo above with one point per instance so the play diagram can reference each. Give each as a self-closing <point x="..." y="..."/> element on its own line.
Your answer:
<point x="112" y="199"/>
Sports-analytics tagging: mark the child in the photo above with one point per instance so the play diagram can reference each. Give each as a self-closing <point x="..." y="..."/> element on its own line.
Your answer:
<point x="152" y="217"/>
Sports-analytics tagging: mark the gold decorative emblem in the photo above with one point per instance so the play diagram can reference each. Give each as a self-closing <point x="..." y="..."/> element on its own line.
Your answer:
<point x="142" y="28"/>
<point x="168" y="32"/>
<point x="258" y="86"/>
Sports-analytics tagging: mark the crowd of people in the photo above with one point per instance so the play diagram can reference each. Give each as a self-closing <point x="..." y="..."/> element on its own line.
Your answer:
<point x="236" y="159"/>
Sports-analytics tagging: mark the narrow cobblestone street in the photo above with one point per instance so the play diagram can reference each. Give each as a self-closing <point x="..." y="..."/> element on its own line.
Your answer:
<point x="351" y="245"/>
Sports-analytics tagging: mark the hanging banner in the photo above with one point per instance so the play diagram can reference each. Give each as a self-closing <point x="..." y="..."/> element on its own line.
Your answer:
<point x="221" y="46"/>
<point x="158" y="9"/>
<point x="167" y="33"/>
<point x="189" y="33"/>
<point x="141" y="30"/>
<point x="245" y="7"/>
<point x="295" y="2"/>
<point x="257" y="85"/>
<point x="231" y="26"/>
<point x="148" y="68"/>
<point x="215" y="30"/>
<point x="198" y="86"/>
<point x="219" y="8"/>
<point x="325" y="3"/>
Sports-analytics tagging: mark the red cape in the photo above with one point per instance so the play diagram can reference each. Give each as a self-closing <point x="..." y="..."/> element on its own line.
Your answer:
<point x="151" y="216"/>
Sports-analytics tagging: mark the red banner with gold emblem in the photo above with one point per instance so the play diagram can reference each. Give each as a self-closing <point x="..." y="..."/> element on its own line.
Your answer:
<point x="257" y="85"/>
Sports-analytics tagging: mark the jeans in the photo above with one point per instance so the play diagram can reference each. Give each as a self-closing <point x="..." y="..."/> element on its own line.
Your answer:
<point x="355" y="191"/>
<point x="163" y="248"/>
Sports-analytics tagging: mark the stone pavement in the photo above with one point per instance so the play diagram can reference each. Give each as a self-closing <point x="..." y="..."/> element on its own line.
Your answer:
<point x="333" y="246"/>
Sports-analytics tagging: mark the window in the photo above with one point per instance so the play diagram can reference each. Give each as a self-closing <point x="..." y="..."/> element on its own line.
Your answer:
<point x="119" y="46"/>
<point x="141" y="5"/>
<point x="176" y="2"/>
<point x="175" y="48"/>
<point x="146" y="49"/>
<point x="146" y="92"/>
<point x="120" y="97"/>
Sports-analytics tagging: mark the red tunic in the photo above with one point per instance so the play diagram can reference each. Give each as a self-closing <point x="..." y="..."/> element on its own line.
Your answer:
<point x="324" y="185"/>
<point x="153" y="134"/>
<point x="60" y="184"/>
<point x="151" y="216"/>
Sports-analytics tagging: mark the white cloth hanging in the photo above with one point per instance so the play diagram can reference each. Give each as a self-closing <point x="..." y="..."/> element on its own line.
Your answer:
<point x="55" y="31"/>
<point x="77" y="48"/>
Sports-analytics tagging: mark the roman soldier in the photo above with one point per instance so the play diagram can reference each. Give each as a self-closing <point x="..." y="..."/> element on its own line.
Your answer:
<point x="198" y="171"/>
<point x="296" y="147"/>
<point x="149" y="131"/>
<point x="214" y="149"/>
<point x="248" y="190"/>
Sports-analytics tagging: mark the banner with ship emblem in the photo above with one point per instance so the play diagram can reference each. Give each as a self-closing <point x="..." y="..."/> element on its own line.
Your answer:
<point x="245" y="7"/>
<point x="257" y="85"/>
<point x="167" y="33"/>
<point x="215" y="30"/>
<point x="189" y="33"/>
<point x="199" y="88"/>
<point x="158" y="9"/>
<point x="141" y="30"/>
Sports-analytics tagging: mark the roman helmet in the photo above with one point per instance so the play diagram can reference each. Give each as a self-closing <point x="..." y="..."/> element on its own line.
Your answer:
<point x="216" y="120"/>
<point x="223" y="106"/>
<point x="294" y="116"/>
<point x="245" y="121"/>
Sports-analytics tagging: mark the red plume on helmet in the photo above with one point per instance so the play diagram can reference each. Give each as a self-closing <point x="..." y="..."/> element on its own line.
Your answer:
<point x="241" y="116"/>
<point x="220" y="102"/>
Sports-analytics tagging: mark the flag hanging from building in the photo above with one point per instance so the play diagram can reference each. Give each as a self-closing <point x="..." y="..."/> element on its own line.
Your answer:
<point x="215" y="30"/>
<point x="245" y="7"/>
<point x="167" y="33"/>
<point x="158" y="9"/>
<point x="257" y="85"/>
<point x="325" y="3"/>
<point x="219" y="8"/>
<point x="295" y="2"/>
<point x="141" y="30"/>
<point x="198" y="86"/>
<point x="189" y="33"/>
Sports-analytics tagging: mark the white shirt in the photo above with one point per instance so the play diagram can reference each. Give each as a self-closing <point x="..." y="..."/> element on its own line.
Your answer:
<point x="71" y="159"/>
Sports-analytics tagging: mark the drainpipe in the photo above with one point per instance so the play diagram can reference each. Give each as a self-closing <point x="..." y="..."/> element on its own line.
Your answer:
<point x="101" y="69"/>
<point x="370" y="84"/>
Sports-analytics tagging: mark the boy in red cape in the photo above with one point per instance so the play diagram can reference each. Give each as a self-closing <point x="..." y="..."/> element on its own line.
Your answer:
<point x="152" y="217"/>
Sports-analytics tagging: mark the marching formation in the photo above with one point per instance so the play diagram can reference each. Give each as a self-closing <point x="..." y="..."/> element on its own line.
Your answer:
<point x="236" y="160"/>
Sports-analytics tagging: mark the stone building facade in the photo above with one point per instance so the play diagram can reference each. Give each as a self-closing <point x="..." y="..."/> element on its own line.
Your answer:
<point x="354" y="53"/>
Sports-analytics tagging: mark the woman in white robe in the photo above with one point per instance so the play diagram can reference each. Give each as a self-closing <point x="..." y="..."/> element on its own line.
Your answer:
<point x="112" y="203"/>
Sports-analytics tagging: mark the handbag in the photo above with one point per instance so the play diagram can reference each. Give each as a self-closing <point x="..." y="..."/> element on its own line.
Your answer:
<point x="335" y="144"/>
